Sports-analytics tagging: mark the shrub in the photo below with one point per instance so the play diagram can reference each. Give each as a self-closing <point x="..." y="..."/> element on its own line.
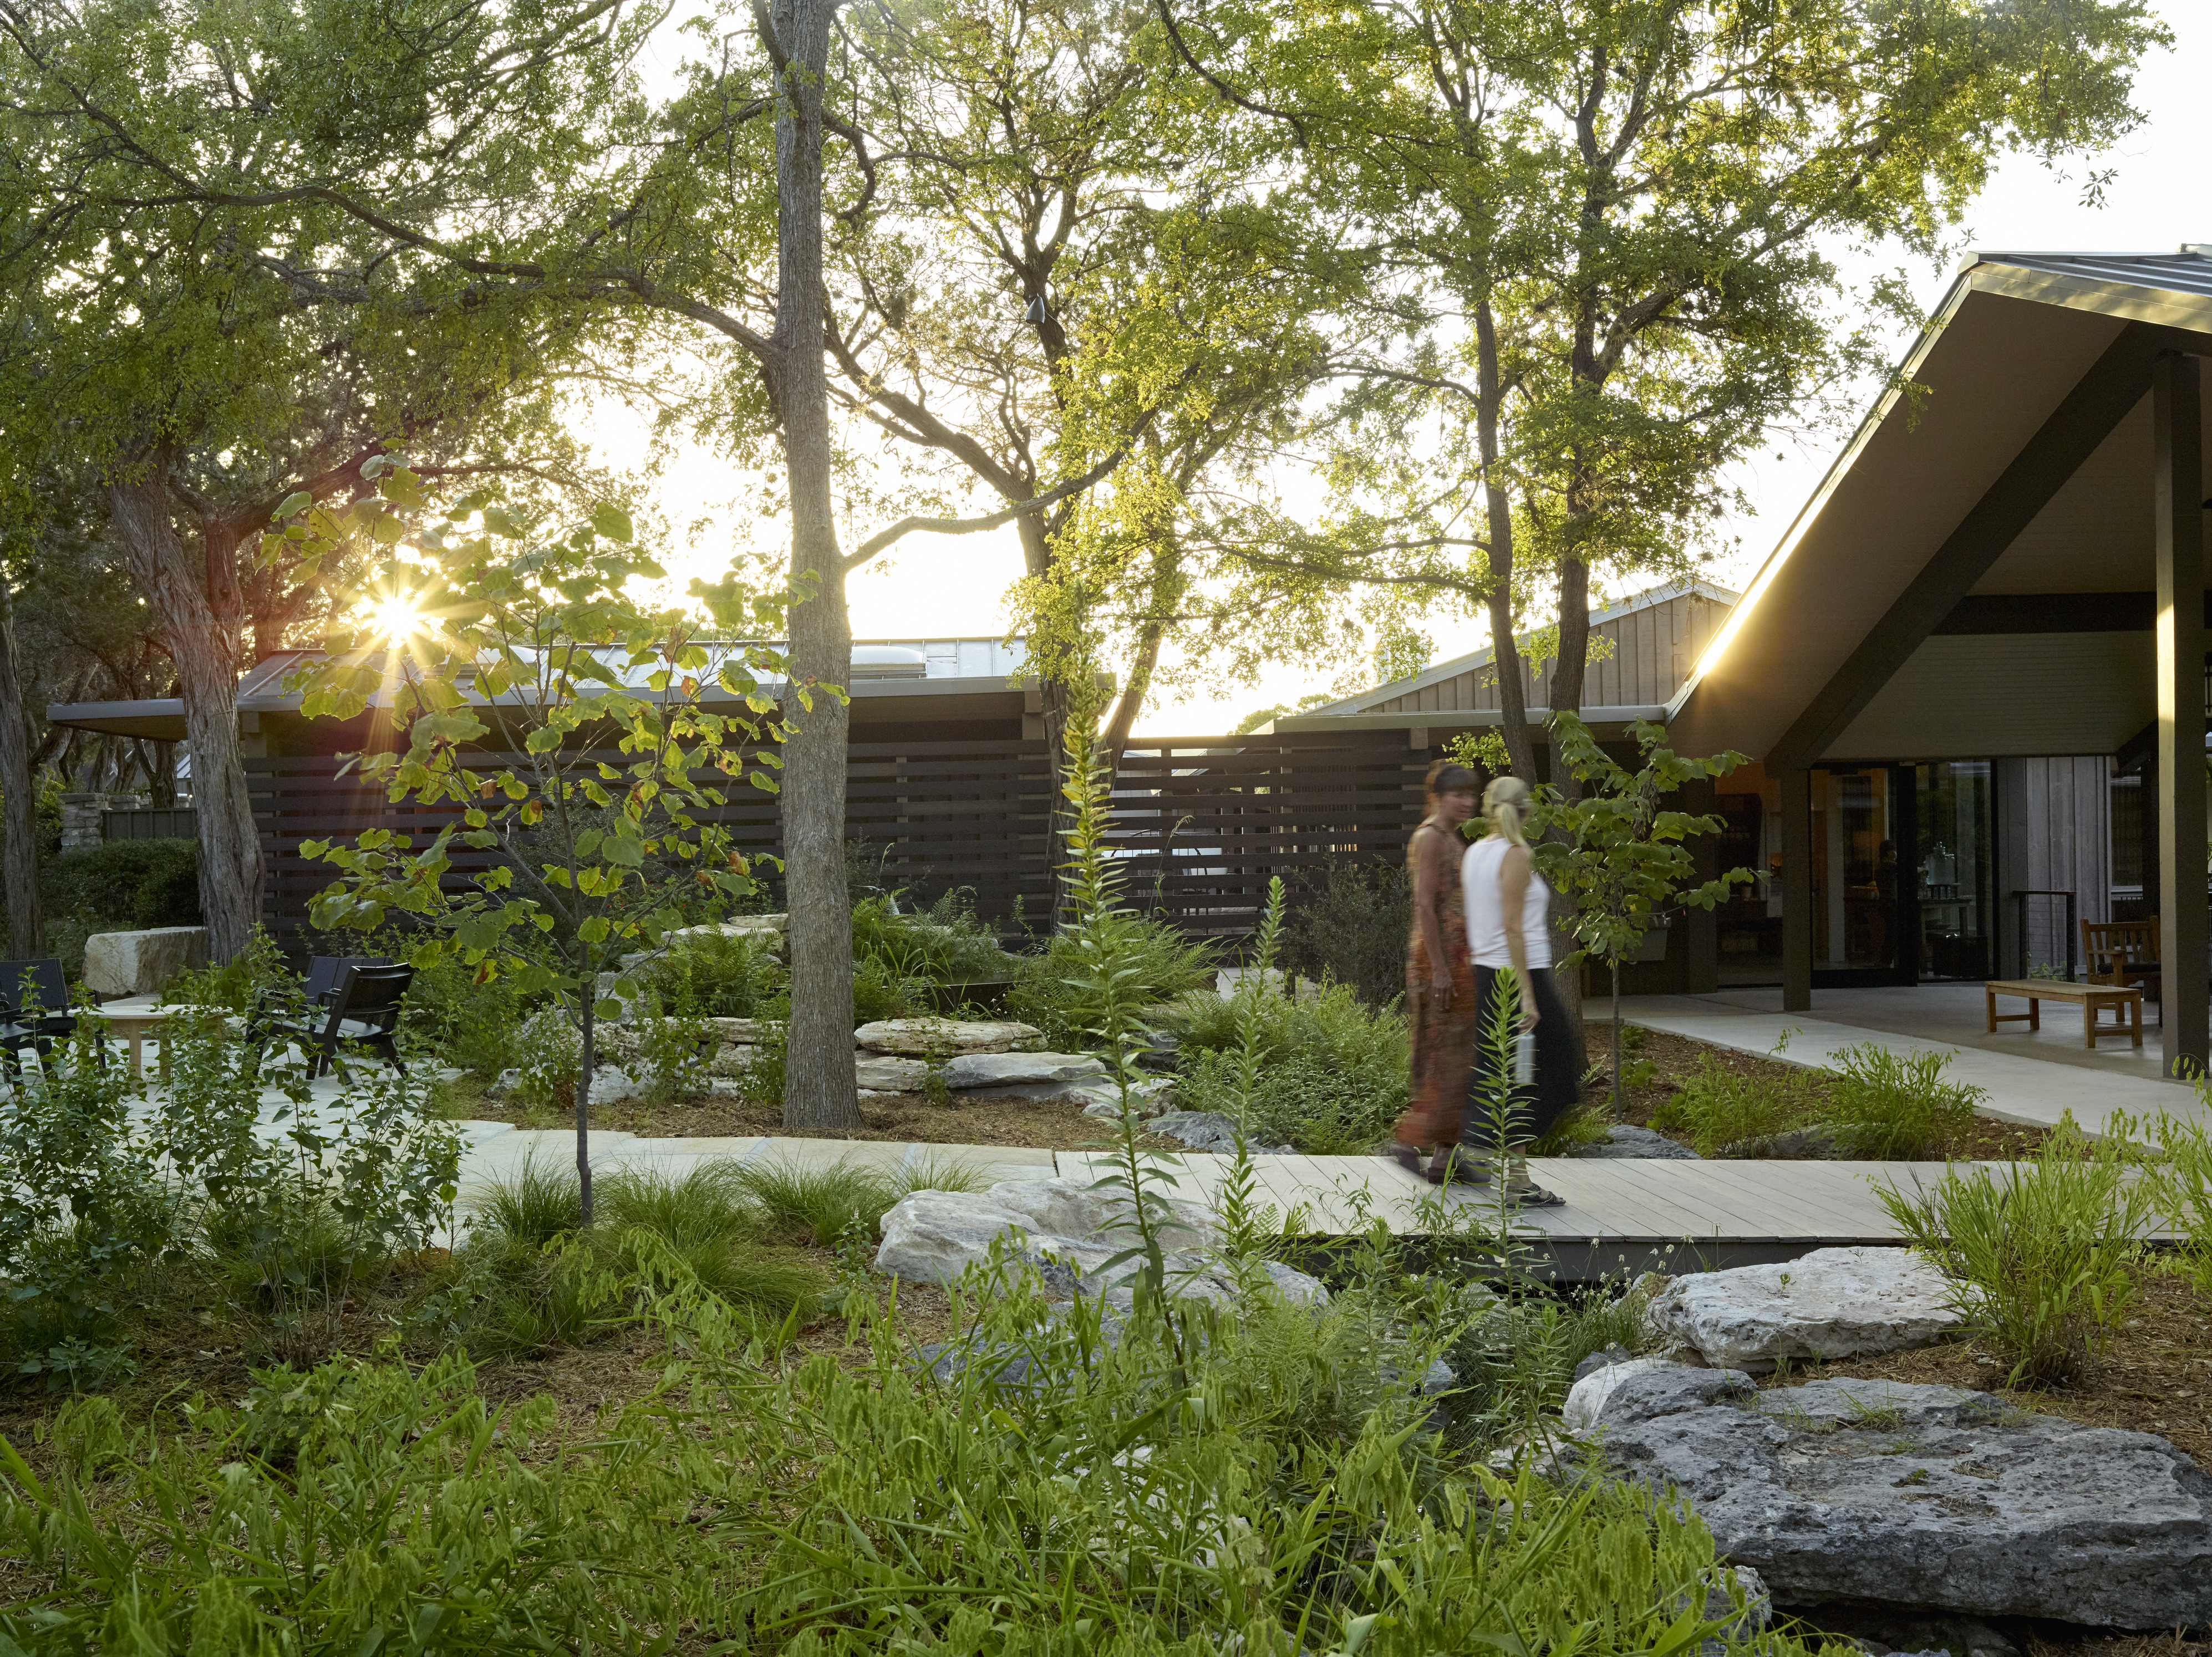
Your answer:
<point x="469" y="1025"/>
<point x="2042" y="1259"/>
<point x="1585" y="1124"/>
<point x="716" y="975"/>
<point x="83" y="1213"/>
<point x="1332" y="1076"/>
<point x="1720" y="1107"/>
<point x="1348" y="924"/>
<point x="1160" y="964"/>
<point x="258" y="970"/>
<point x="945" y="945"/>
<point x="135" y="883"/>
<point x="1886" y="1106"/>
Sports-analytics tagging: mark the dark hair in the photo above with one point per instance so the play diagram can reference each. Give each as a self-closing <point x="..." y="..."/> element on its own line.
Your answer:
<point x="1450" y="776"/>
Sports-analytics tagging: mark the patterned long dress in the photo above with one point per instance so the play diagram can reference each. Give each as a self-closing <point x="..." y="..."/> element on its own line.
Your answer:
<point x="1443" y="1038"/>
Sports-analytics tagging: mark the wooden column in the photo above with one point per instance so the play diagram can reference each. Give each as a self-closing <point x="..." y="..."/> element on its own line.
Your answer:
<point x="1797" y="889"/>
<point x="2177" y="494"/>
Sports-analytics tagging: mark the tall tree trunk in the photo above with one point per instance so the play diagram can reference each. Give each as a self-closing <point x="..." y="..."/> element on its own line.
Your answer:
<point x="1512" y="695"/>
<point x="207" y="681"/>
<point x="26" y="921"/>
<point x="820" y="1088"/>
<point x="1063" y="702"/>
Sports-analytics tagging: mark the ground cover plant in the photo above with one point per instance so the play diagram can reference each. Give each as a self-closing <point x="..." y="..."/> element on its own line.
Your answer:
<point x="1884" y="1106"/>
<point x="1332" y="1075"/>
<point x="2043" y="1257"/>
<point x="1721" y="1106"/>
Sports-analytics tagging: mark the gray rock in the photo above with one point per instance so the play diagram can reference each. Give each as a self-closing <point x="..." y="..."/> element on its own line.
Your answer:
<point x="1641" y="1144"/>
<point x="613" y="1086"/>
<point x="1613" y="1354"/>
<point x="1829" y="1303"/>
<point x="936" y="1236"/>
<point x="1149" y="1097"/>
<point x="1802" y="1144"/>
<point x="990" y="1069"/>
<point x="1210" y="1130"/>
<point x="733" y="1060"/>
<point x="138" y="963"/>
<point x="945" y="1038"/>
<point x="1742" y="1626"/>
<point x="1643" y="1388"/>
<point x="886" y="1075"/>
<point x="1926" y="1497"/>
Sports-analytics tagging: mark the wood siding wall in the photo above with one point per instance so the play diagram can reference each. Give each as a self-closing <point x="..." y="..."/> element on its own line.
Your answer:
<point x="1652" y="652"/>
<point x="1200" y="824"/>
<point x="2054" y="833"/>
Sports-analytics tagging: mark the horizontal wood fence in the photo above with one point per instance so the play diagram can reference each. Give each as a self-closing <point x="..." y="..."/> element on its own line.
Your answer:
<point x="1199" y="824"/>
<point x="150" y="823"/>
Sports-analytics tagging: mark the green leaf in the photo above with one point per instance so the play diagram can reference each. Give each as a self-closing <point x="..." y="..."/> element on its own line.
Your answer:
<point x="612" y="522"/>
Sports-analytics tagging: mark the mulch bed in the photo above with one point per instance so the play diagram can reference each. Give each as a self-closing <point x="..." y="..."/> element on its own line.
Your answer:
<point x="905" y="1117"/>
<point x="1672" y="1059"/>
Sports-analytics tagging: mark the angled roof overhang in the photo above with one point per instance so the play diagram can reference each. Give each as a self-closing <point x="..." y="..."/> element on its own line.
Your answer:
<point x="1974" y="574"/>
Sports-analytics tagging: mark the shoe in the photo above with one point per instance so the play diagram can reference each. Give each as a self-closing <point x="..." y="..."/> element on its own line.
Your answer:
<point x="1407" y="1158"/>
<point x="1458" y="1168"/>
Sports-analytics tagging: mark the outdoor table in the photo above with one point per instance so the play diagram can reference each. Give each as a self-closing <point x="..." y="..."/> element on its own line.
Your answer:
<point x="132" y="1019"/>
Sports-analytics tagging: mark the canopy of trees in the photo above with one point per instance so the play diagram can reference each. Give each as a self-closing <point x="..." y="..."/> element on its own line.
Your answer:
<point x="1274" y="330"/>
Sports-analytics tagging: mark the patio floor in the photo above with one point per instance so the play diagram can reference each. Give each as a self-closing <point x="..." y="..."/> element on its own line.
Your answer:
<point x="2032" y="1077"/>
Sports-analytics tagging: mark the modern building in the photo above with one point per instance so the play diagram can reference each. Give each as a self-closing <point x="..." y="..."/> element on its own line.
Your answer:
<point x="1972" y="680"/>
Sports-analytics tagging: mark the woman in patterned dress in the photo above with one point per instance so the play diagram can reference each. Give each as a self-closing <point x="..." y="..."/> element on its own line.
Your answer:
<point x="1439" y="974"/>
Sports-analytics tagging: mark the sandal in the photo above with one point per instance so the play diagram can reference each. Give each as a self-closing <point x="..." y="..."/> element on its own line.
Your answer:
<point x="1455" y="1168"/>
<point x="1533" y="1196"/>
<point x="1407" y="1157"/>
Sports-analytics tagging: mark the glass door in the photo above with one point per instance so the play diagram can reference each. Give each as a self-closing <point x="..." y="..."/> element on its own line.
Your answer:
<point x="1865" y="869"/>
<point x="1957" y="870"/>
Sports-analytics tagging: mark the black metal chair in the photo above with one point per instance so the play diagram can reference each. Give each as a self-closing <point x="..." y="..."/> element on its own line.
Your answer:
<point x="358" y="1002"/>
<point x="34" y="1012"/>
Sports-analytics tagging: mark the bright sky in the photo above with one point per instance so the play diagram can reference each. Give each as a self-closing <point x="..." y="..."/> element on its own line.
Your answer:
<point x="2160" y="198"/>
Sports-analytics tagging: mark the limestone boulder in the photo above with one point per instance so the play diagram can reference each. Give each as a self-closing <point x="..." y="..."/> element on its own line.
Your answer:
<point x="734" y="1061"/>
<point x="1830" y="1303"/>
<point x="945" y="1038"/>
<point x="611" y="1085"/>
<point x="1152" y="1096"/>
<point x="1067" y="1233"/>
<point x="1210" y="1131"/>
<point x="1624" y="1142"/>
<point x="886" y="1075"/>
<point x="1587" y="1397"/>
<point x="992" y="1070"/>
<point x="1922" y="1498"/>
<point x="140" y="964"/>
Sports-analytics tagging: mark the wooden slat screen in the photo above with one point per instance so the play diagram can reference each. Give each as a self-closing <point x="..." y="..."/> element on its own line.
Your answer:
<point x="1200" y="823"/>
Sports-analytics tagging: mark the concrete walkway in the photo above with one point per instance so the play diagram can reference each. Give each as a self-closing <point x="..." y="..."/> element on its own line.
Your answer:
<point x="2032" y="1079"/>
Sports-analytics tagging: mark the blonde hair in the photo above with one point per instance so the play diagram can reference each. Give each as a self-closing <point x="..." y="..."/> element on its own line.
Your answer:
<point x="1505" y="802"/>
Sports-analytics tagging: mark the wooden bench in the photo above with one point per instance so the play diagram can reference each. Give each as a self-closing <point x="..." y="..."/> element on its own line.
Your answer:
<point x="2124" y="1000"/>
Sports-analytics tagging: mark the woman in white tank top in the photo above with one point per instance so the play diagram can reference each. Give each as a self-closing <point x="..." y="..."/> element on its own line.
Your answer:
<point x="1509" y="935"/>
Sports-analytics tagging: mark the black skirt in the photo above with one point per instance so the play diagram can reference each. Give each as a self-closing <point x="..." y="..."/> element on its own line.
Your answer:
<point x="1531" y="1110"/>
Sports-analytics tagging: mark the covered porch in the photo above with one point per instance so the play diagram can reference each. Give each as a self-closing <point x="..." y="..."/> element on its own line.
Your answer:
<point x="2007" y="563"/>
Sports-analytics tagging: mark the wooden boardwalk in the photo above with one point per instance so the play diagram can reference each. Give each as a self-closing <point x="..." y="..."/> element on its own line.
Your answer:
<point x="1619" y="1215"/>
